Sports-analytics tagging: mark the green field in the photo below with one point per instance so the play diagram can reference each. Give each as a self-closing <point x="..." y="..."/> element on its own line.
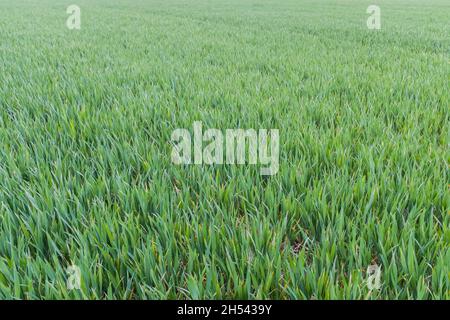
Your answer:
<point x="86" y="177"/>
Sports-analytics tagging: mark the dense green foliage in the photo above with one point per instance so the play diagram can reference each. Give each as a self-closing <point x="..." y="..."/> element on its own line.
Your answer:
<point x="86" y="176"/>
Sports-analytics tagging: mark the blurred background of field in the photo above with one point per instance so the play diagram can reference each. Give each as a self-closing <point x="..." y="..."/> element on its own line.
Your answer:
<point x="85" y="171"/>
